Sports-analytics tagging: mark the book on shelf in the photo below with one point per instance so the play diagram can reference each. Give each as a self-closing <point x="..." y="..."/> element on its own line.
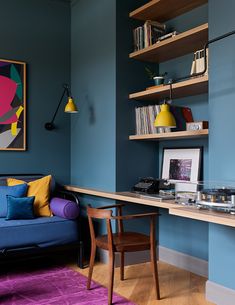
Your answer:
<point x="148" y="34"/>
<point x="198" y="63"/>
<point x="145" y="117"/>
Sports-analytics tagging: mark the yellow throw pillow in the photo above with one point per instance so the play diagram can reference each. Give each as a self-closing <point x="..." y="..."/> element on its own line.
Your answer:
<point x="39" y="188"/>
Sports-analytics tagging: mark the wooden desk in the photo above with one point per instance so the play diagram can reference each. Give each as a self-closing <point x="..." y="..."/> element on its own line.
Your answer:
<point x="174" y="209"/>
<point x="123" y="196"/>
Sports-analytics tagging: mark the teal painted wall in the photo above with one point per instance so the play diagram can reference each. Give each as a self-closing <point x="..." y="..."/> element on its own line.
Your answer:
<point x="221" y="141"/>
<point x="102" y="157"/>
<point x="38" y="32"/>
<point x="177" y="233"/>
<point x="93" y="74"/>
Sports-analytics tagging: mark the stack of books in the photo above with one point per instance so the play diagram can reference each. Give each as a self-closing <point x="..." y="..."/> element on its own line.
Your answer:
<point x="145" y="118"/>
<point x="148" y="34"/>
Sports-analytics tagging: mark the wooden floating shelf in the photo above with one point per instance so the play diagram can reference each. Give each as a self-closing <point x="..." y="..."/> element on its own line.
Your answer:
<point x="189" y="87"/>
<point x="176" y="46"/>
<point x="171" y="135"/>
<point x="162" y="10"/>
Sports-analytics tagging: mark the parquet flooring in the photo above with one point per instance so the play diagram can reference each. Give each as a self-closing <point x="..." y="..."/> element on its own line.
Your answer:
<point x="177" y="286"/>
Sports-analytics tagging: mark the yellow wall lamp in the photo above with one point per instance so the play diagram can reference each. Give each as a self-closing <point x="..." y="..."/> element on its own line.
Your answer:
<point x="165" y="118"/>
<point x="69" y="108"/>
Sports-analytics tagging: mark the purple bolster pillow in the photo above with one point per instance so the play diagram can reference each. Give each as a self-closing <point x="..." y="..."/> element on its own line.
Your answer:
<point x="64" y="208"/>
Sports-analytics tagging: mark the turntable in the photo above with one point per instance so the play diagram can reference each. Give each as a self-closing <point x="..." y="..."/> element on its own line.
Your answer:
<point x="220" y="199"/>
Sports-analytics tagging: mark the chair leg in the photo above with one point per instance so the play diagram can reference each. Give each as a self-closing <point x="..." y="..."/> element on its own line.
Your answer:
<point x="111" y="276"/>
<point x="92" y="261"/>
<point x="155" y="270"/>
<point x="122" y="257"/>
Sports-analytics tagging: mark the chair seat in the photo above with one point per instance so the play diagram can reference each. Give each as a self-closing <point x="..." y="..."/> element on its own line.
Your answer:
<point x="125" y="242"/>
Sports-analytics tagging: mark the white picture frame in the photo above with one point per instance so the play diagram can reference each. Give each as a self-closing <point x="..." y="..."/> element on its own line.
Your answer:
<point x="182" y="167"/>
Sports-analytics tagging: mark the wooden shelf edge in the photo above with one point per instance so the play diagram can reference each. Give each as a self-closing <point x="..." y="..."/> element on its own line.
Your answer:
<point x="155" y="10"/>
<point x="204" y="215"/>
<point x="171" y="135"/>
<point x="172" y="40"/>
<point x="161" y="90"/>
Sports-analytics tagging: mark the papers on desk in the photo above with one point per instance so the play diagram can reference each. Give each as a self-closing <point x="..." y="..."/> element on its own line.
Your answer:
<point x="157" y="197"/>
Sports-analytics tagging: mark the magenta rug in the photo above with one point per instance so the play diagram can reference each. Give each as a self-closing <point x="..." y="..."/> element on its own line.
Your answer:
<point x="54" y="286"/>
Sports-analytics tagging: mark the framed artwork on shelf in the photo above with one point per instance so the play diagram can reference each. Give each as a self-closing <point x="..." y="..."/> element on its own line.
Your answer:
<point x="12" y="105"/>
<point x="182" y="166"/>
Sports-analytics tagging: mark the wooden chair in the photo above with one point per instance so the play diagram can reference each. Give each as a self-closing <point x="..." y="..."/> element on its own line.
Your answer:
<point x="121" y="242"/>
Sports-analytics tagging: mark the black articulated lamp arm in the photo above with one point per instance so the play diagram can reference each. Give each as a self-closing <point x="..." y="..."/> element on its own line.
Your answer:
<point x="50" y="125"/>
<point x="205" y="58"/>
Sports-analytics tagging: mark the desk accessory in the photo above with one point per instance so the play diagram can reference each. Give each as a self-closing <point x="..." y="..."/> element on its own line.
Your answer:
<point x="210" y="195"/>
<point x="149" y="185"/>
<point x="69" y="108"/>
<point x="197" y="125"/>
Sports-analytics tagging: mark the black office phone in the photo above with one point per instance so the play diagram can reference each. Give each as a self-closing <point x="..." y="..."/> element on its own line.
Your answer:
<point x="150" y="185"/>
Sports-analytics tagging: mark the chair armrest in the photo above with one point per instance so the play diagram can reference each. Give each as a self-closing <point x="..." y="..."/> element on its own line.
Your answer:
<point x="134" y="216"/>
<point x="112" y="206"/>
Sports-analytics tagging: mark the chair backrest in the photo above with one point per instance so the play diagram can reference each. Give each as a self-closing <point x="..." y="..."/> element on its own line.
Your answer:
<point x="94" y="213"/>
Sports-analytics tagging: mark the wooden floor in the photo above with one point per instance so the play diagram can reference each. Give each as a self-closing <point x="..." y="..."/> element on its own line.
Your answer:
<point x="177" y="286"/>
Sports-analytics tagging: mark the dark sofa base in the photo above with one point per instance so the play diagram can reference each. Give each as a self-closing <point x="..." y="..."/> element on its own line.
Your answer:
<point x="33" y="251"/>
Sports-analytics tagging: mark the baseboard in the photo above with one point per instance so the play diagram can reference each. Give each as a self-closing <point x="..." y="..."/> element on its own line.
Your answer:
<point x="183" y="261"/>
<point x="219" y="294"/>
<point x="172" y="257"/>
<point x="131" y="258"/>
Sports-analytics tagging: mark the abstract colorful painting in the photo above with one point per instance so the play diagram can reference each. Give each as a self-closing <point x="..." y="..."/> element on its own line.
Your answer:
<point x="12" y="105"/>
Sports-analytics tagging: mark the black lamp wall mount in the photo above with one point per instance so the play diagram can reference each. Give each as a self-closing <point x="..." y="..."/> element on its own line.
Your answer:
<point x="70" y="107"/>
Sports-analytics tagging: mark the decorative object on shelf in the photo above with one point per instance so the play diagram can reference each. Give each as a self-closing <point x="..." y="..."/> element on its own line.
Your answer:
<point x="169" y="35"/>
<point x="182" y="166"/>
<point x="197" y="125"/>
<point x="165" y="118"/>
<point x="182" y="116"/>
<point x="69" y="108"/>
<point x="158" y="79"/>
<point x="13" y="105"/>
<point x="198" y="62"/>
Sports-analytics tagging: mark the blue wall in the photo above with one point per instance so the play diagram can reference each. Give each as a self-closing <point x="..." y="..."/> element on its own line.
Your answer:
<point x="185" y="235"/>
<point x="93" y="58"/>
<point x="38" y="32"/>
<point x="102" y="157"/>
<point x="221" y="141"/>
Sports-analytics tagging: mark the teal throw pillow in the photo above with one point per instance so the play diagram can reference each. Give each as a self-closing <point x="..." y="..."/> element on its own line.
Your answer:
<point x="20" y="208"/>
<point x="19" y="190"/>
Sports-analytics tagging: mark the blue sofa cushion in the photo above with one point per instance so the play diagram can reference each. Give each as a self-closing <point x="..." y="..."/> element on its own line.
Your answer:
<point x="16" y="191"/>
<point x="41" y="231"/>
<point x="19" y="208"/>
